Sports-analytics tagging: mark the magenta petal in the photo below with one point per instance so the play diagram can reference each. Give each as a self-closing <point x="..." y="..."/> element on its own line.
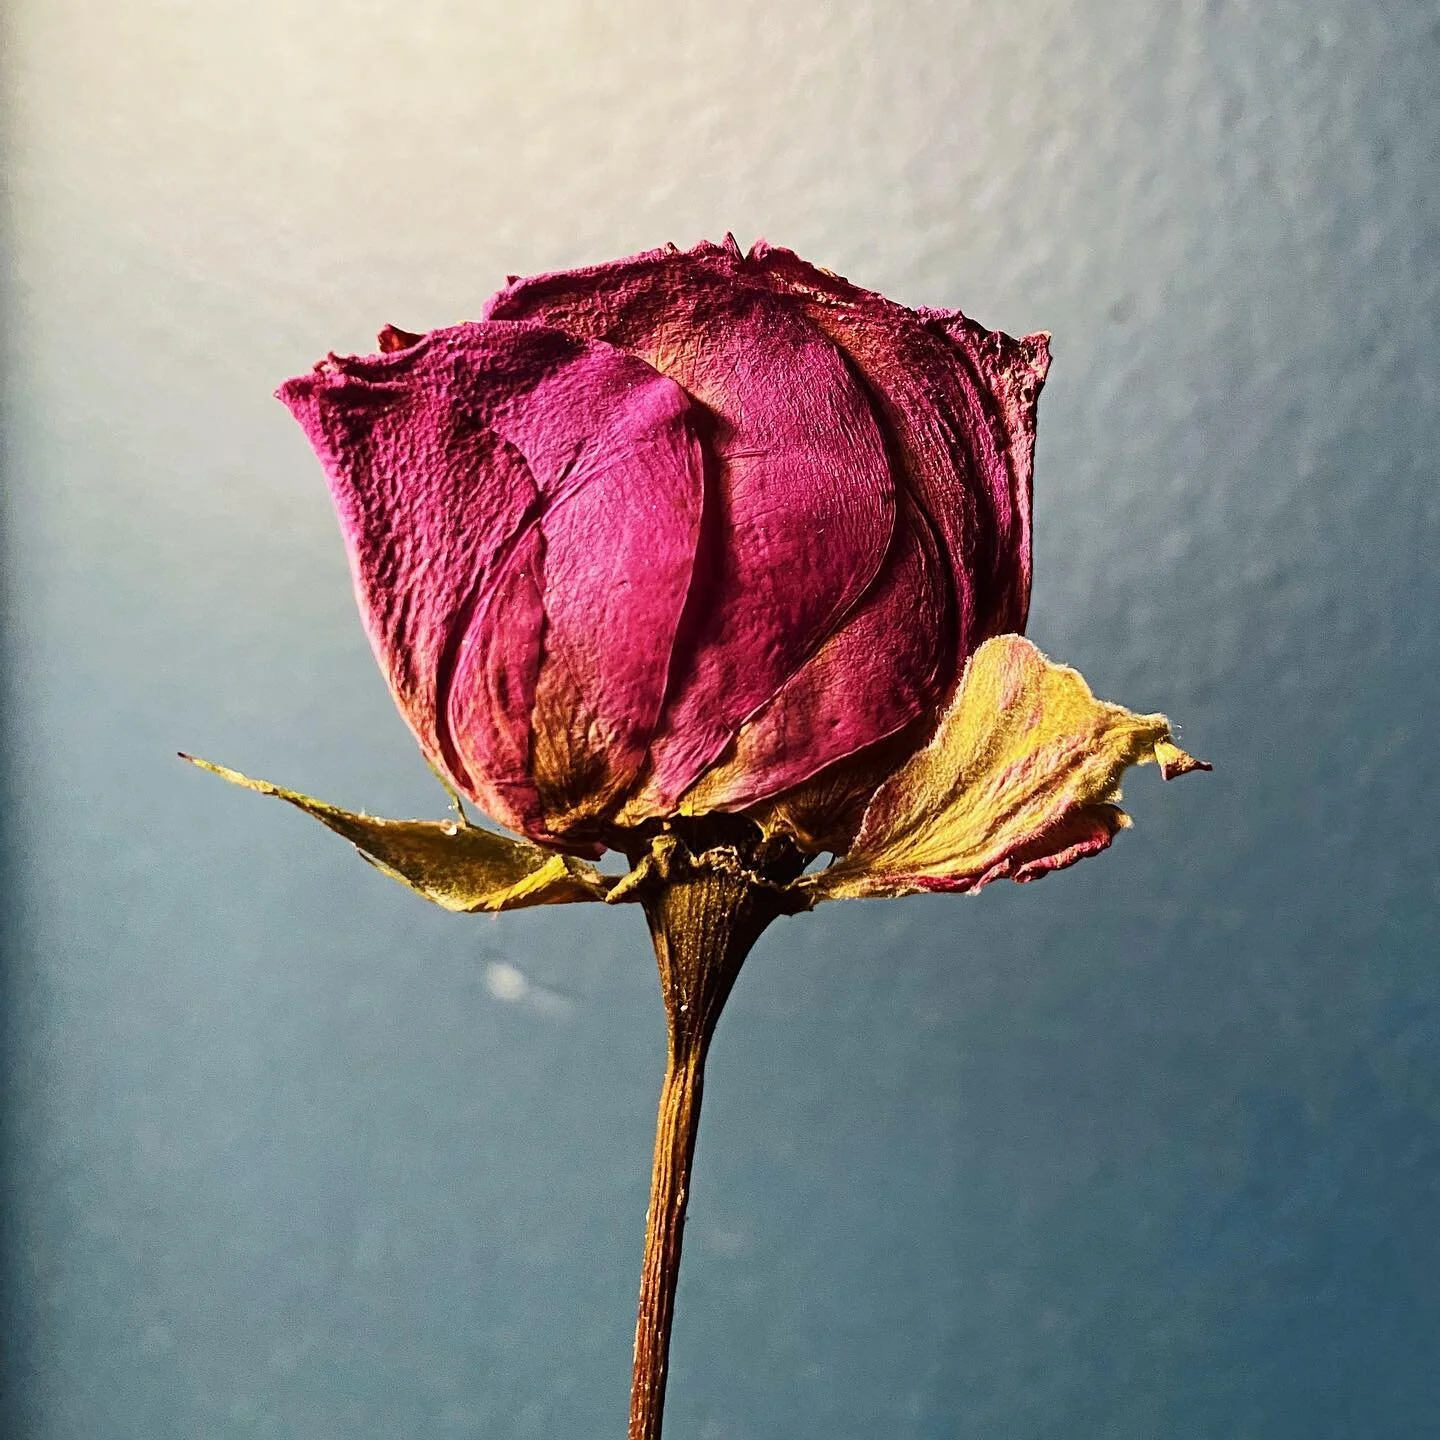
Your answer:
<point x="611" y="445"/>
<point x="1010" y="374"/>
<point x="490" y="684"/>
<point x="960" y="400"/>
<point x="886" y="665"/>
<point x="428" y="502"/>
<point x="803" y="499"/>
<point x="475" y="473"/>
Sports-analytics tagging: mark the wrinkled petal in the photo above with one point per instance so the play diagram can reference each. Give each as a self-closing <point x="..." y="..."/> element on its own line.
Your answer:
<point x="458" y="866"/>
<point x="522" y="511"/>
<point x="428" y="501"/>
<point x="1021" y="778"/>
<point x="877" y="673"/>
<point x="825" y="811"/>
<point x="960" y="401"/>
<point x="801" y="508"/>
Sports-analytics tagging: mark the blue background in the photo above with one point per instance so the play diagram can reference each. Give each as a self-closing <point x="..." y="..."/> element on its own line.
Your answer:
<point x="1150" y="1149"/>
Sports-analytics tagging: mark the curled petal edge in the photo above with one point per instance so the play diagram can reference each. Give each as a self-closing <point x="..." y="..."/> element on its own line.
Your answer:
<point x="456" y="865"/>
<point x="1021" y="778"/>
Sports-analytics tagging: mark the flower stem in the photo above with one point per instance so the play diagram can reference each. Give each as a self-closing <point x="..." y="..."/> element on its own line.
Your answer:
<point x="675" y="1131"/>
<point x="703" y="922"/>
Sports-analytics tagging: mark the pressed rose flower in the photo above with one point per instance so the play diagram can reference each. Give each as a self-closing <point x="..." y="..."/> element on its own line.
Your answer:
<point x="721" y="561"/>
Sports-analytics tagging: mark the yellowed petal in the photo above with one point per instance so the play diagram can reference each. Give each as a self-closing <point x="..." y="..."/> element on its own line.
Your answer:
<point x="1021" y="778"/>
<point x="457" y="865"/>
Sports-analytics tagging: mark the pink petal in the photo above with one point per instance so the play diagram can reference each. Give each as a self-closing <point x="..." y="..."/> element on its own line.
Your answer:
<point x="479" y="474"/>
<point x="802" y="501"/>
<point x="960" y="400"/>
<point x="612" y="446"/>
<point x="884" y="667"/>
<point x="429" y="499"/>
<point x="489" y="685"/>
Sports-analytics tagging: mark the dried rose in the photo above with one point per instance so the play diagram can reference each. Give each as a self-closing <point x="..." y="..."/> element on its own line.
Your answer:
<point x="676" y="533"/>
<point x="721" y="561"/>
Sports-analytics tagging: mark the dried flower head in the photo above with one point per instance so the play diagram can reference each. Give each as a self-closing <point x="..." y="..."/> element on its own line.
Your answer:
<point x="700" y="532"/>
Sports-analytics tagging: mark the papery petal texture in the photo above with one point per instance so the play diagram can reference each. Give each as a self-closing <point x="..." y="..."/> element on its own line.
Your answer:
<point x="956" y="405"/>
<point x="803" y="505"/>
<point x="881" y="669"/>
<point x="1021" y="778"/>
<point x="683" y="532"/>
<point x="512" y="495"/>
<point x="958" y="401"/>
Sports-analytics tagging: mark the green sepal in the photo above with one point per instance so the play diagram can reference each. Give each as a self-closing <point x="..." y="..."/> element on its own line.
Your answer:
<point x="458" y="866"/>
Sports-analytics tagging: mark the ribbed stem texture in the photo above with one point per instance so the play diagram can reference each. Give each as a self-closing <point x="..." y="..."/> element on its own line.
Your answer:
<point x="675" y="1130"/>
<point x="703" y="923"/>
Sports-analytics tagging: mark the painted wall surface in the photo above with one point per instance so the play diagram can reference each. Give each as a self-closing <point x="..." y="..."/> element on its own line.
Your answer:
<point x="1151" y="1149"/>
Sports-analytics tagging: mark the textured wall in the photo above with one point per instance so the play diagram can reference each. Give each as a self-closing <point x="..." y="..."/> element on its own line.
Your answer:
<point x="1151" y="1149"/>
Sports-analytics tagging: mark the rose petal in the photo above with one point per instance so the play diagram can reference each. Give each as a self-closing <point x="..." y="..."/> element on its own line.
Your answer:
<point x="878" y="672"/>
<point x="457" y="866"/>
<point x="489" y="478"/>
<point x="960" y="401"/>
<point x="430" y="501"/>
<point x="612" y="446"/>
<point x="825" y="811"/>
<point x="1021" y="778"/>
<point x="488" y="681"/>
<point x="803" y="503"/>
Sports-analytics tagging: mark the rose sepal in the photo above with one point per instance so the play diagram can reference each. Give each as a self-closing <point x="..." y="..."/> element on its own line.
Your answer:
<point x="453" y="863"/>
<point x="1021" y="777"/>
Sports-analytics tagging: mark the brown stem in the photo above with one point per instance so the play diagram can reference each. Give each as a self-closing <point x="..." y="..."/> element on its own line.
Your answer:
<point x="703" y="921"/>
<point x="675" y="1130"/>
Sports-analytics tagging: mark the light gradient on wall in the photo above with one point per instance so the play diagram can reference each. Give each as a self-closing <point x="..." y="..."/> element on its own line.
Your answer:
<point x="1147" y="1150"/>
